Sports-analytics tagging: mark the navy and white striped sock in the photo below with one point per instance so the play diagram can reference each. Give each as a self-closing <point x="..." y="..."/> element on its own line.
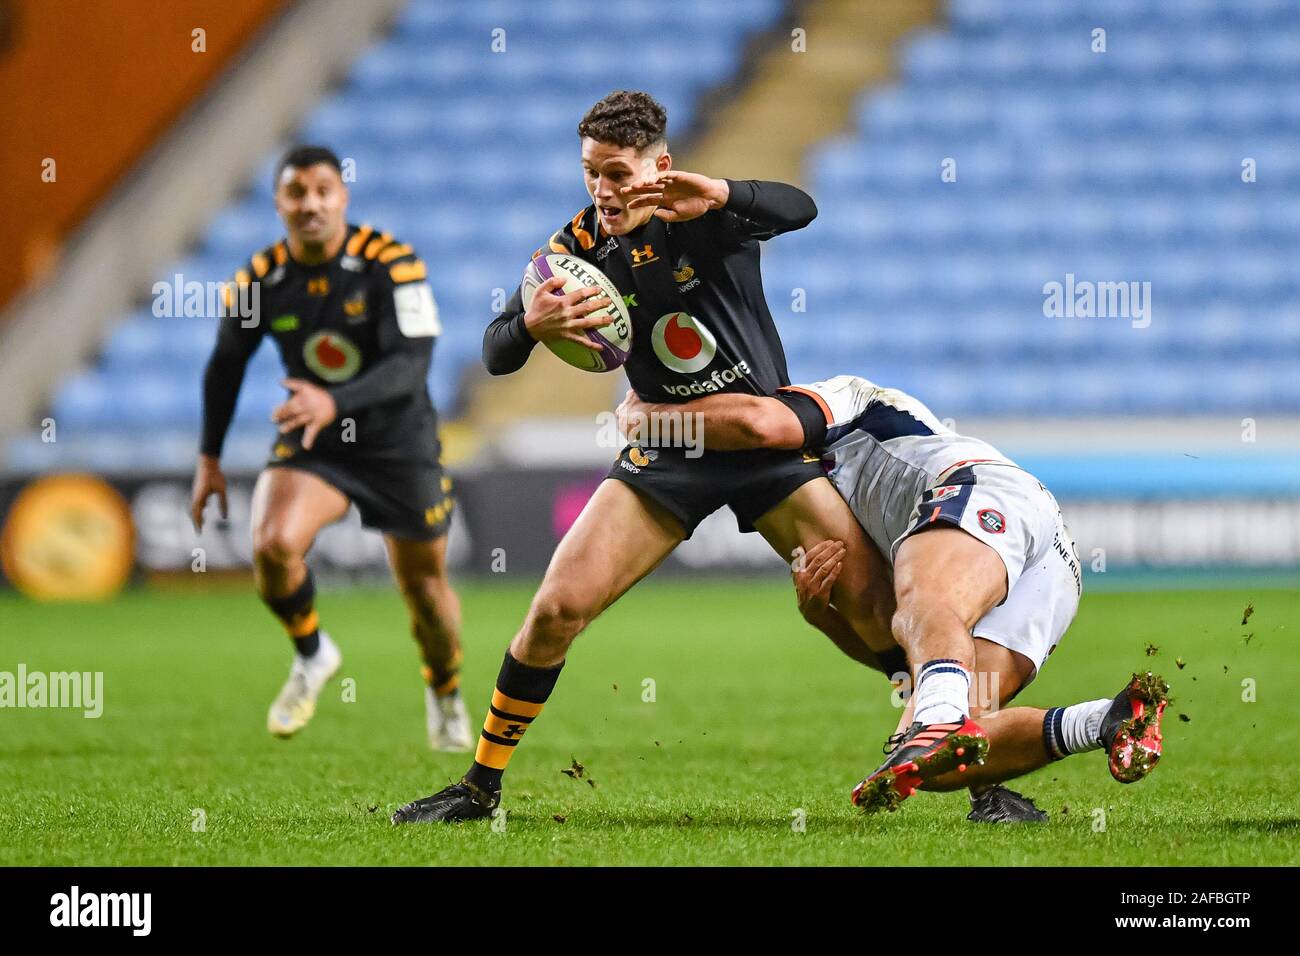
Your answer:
<point x="1075" y="729"/>
<point x="942" y="692"/>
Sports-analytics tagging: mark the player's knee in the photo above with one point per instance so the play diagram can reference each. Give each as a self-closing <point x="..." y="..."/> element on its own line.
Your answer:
<point x="918" y="613"/>
<point x="274" y="548"/>
<point x="557" y="616"/>
<point x="902" y="624"/>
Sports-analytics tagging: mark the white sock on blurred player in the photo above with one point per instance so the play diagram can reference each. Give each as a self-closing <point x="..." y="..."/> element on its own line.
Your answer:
<point x="296" y="703"/>
<point x="447" y="722"/>
<point x="942" y="692"/>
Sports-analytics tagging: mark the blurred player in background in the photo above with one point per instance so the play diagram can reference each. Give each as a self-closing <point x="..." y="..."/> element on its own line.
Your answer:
<point x="978" y="545"/>
<point x="683" y="249"/>
<point x="355" y="323"/>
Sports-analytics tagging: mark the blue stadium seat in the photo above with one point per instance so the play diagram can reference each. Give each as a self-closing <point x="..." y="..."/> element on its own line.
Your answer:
<point x="1125" y="165"/>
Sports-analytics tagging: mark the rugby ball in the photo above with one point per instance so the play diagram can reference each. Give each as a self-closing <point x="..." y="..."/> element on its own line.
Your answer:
<point x="614" y="339"/>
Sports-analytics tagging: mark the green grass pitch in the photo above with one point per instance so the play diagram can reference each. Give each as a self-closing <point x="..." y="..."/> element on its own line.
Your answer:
<point x="756" y="722"/>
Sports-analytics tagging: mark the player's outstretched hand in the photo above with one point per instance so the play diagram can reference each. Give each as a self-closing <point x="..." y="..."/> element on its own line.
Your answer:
<point x="208" y="481"/>
<point x="309" y="407"/>
<point x="678" y="194"/>
<point x="551" y="317"/>
<point x="815" y="573"/>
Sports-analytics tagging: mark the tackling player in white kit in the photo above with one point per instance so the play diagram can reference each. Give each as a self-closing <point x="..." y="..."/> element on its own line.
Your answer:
<point x="979" y="552"/>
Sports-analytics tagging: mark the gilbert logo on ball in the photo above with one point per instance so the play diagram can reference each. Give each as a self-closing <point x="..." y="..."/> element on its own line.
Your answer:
<point x="683" y="343"/>
<point x="614" y="340"/>
<point x="332" y="356"/>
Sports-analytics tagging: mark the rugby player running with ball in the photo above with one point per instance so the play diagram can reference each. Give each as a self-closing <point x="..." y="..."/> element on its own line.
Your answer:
<point x="683" y="249"/>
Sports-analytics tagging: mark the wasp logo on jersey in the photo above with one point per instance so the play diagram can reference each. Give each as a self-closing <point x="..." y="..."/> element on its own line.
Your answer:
<point x="332" y="356"/>
<point x="355" y="307"/>
<point x="641" y="457"/>
<point x="684" y="275"/>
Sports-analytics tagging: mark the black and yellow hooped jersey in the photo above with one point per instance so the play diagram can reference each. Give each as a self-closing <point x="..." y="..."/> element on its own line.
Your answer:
<point x="361" y="325"/>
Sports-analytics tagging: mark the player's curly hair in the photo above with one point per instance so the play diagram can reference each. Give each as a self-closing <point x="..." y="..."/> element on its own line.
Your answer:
<point x="626" y="118"/>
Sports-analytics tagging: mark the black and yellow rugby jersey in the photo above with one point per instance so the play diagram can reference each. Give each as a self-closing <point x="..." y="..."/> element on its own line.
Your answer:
<point x="361" y="325"/>
<point x="700" y="323"/>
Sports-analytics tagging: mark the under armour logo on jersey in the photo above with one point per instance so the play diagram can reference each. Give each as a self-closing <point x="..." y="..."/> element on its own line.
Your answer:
<point x="318" y="286"/>
<point x="643" y="255"/>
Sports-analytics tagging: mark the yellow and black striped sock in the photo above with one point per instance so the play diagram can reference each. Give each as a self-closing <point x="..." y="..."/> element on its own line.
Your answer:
<point x="444" y="678"/>
<point x="297" y="612"/>
<point x="519" y="696"/>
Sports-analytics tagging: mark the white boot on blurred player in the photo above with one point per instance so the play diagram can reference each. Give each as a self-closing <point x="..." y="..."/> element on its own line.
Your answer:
<point x="448" y="723"/>
<point x="297" y="700"/>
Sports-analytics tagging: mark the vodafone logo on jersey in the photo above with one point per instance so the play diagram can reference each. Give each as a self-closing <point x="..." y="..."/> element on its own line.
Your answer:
<point x="332" y="356"/>
<point x="682" y="342"/>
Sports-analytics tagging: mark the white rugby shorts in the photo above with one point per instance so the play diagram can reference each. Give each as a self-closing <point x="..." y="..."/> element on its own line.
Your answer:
<point x="1008" y="509"/>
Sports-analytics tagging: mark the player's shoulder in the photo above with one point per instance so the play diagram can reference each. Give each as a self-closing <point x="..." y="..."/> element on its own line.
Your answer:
<point x="265" y="266"/>
<point x="373" y="251"/>
<point x="261" y="265"/>
<point x="577" y="236"/>
<point x="841" y="398"/>
<point x="394" y="264"/>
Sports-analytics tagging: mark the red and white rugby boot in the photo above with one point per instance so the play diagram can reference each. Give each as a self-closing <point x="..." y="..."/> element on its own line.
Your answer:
<point x="925" y="751"/>
<point x="1130" y="731"/>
